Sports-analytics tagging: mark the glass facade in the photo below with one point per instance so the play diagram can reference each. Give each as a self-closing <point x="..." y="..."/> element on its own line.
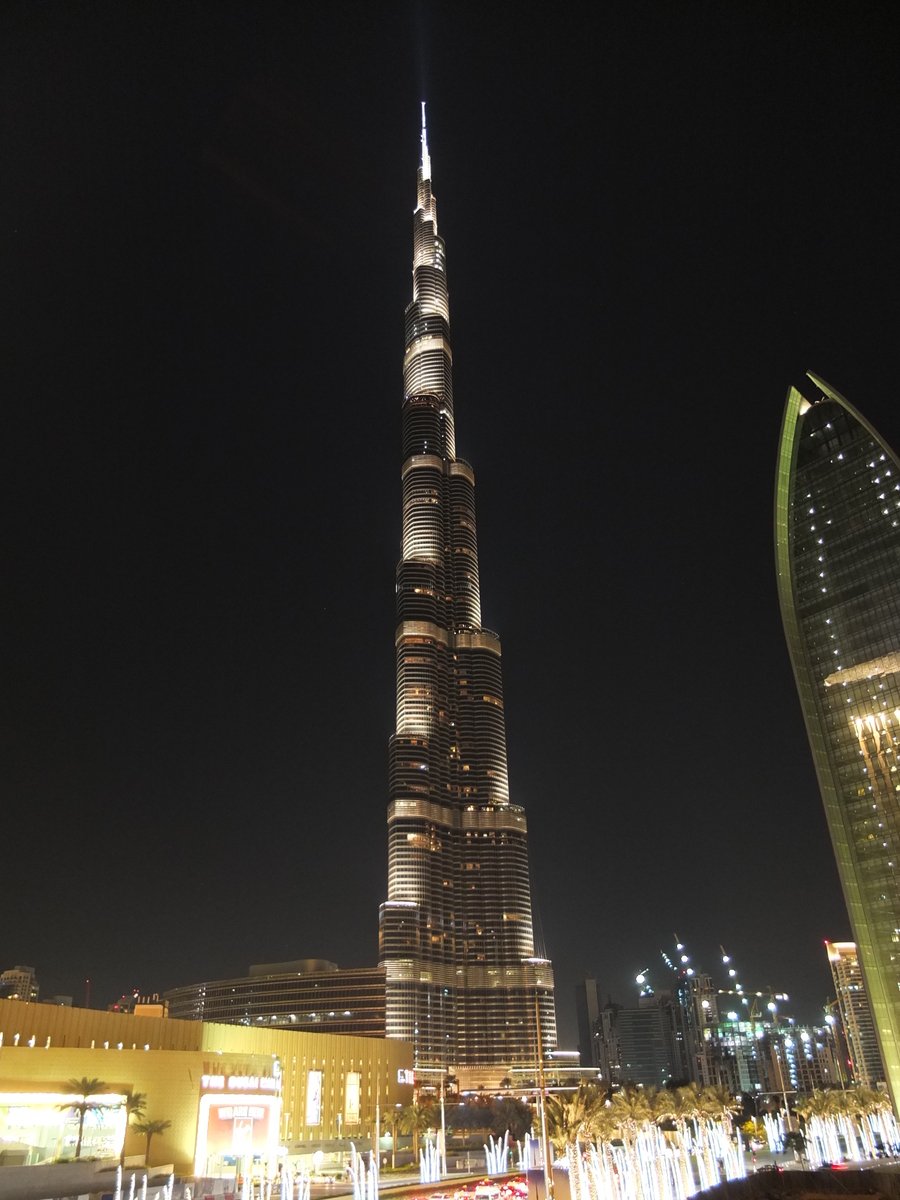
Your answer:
<point x="456" y="941"/>
<point x="332" y="1001"/>
<point x="838" y="561"/>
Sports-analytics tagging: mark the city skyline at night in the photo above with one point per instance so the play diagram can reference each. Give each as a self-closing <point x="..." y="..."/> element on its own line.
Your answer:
<point x="205" y="231"/>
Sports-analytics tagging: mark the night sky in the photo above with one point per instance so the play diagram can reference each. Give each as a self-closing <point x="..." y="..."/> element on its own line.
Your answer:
<point x="657" y="218"/>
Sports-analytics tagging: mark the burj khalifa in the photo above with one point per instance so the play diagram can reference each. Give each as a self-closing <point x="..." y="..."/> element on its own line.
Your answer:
<point x="456" y="939"/>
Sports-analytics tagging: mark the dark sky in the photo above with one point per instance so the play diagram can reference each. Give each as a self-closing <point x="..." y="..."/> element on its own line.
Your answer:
<point x="657" y="218"/>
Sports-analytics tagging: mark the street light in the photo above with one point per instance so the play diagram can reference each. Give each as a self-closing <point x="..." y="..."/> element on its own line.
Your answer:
<point x="394" y="1117"/>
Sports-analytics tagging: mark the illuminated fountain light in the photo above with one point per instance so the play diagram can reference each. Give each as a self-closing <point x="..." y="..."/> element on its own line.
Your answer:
<point x="365" y="1182"/>
<point x="885" y="1125"/>
<point x="289" y="1182"/>
<point x="774" y="1132"/>
<point x="496" y="1155"/>
<point x="525" y="1159"/>
<point x="848" y="1131"/>
<point x="730" y="1156"/>
<point x="143" y="1187"/>
<point x="429" y="1164"/>
<point x="841" y="1137"/>
<point x="815" y="1142"/>
<point x="651" y="1168"/>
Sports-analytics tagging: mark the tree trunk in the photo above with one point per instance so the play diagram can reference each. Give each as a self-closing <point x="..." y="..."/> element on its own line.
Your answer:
<point x="147" y="1155"/>
<point x="82" y="1114"/>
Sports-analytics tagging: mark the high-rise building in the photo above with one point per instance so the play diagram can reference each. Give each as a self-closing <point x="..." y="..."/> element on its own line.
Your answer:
<point x="856" y="1014"/>
<point x="645" y="1041"/>
<point x="306" y="993"/>
<point x="463" y="982"/>
<point x="19" y="983"/>
<point x="837" y="533"/>
<point x="587" y="1011"/>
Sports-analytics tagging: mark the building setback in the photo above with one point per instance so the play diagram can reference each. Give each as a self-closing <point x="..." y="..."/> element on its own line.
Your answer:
<point x="856" y="1014"/>
<point x="463" y="982"/>
<point x="837" y="535"/>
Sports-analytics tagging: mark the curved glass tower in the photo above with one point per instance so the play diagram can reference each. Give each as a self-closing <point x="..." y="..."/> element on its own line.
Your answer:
<point x="455" y="938"/>
<point x="837" y="536"/>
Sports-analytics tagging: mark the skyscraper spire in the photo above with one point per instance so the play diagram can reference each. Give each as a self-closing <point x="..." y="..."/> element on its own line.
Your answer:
<point x="426" y="157"/>
<point x="456" y="939"/>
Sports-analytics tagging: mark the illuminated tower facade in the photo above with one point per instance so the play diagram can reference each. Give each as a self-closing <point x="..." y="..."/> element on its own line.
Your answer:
<point x="455" y="937"/>
<point x="856" y="1014"/>
<point x="837" y="534"/>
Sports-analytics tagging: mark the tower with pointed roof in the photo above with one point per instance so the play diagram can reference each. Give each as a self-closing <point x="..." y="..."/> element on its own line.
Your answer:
<point x="455" y="936"/>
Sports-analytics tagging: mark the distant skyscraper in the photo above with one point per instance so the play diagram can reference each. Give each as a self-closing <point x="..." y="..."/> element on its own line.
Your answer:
<point x="19" y="983"/>
<point x="645" y="1042"/>
<point x="837" y="532"/>
<point x="455" y="934"/>
<point x="587" y="1010"/>
<point x="856" y="1014"/>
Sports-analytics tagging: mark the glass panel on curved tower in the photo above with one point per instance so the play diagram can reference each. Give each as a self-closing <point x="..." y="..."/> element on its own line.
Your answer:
<point x="838" y="549"/>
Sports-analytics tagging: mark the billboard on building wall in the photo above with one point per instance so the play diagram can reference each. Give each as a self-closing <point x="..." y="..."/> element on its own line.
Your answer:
<point x="351" y="1098"/>
<point x="313" y="1097"/>
<point x="232" y="1127"/>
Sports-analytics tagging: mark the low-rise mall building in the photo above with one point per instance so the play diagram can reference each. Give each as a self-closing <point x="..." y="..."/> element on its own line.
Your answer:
<point x="235" y="1096"/>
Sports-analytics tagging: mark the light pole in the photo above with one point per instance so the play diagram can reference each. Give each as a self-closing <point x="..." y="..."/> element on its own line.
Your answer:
<point x="545" y="1148"/>
<point x="394" y="1117"/>
<point x="443" y="1135"/>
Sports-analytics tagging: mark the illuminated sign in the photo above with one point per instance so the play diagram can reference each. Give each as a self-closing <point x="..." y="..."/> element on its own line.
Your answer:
<point x="228" y="1129"/>
<point x="351" y="1098"/>
<point x="406" y="1077"/>
<point x="239" y="1083"/>
<point x="313" y="1097"/>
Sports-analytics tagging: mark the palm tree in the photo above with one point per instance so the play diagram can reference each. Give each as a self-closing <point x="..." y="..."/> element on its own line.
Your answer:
<point x="865" y="1100"/>
<point x="134" y="1106"/>
<point x="662" y="1105"/>
<point x="85" y="1088"/>
<point x="568" y="1114"/>
<point x="601" y="1124"/>
<point x="416" y="1119"/>
<point x="816" y="1104"/>
<point x="687" y="1106"/>
<point x="149" y="1129"/>
<point x="718" y="1104"/>
<point x="631" y="1109"/>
